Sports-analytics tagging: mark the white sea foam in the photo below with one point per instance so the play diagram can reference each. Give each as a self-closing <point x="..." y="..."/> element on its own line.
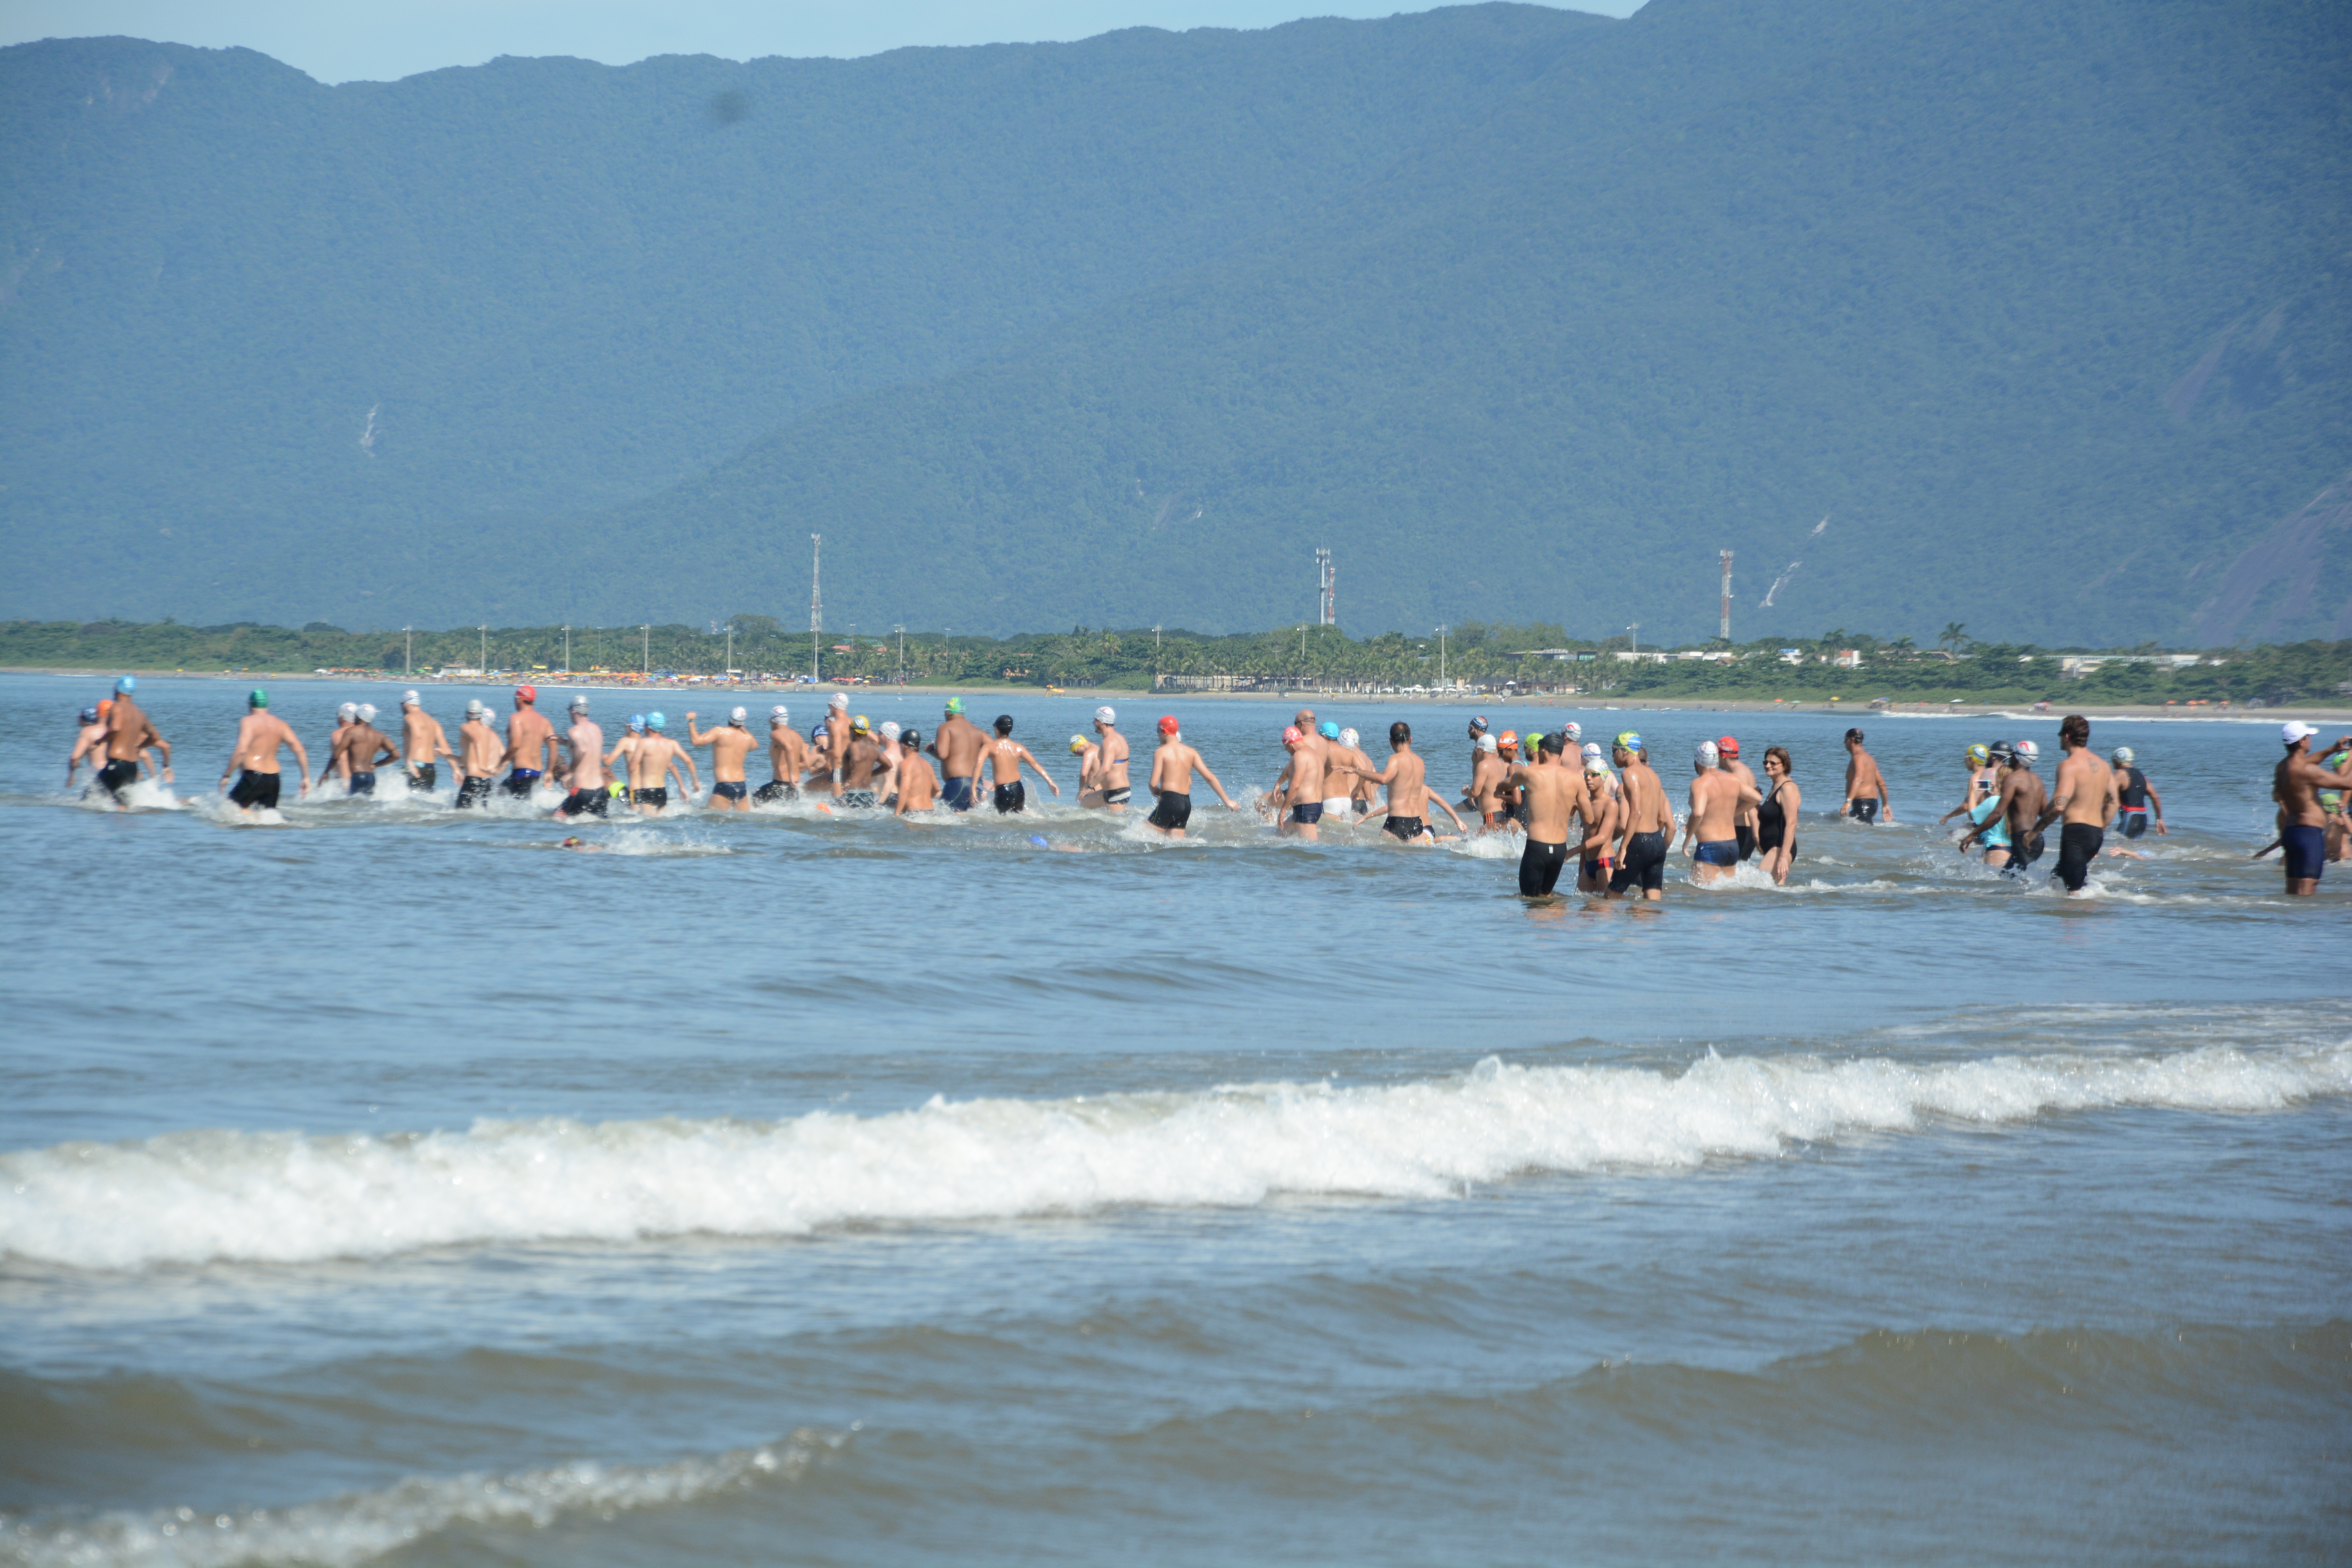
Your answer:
<point x="361" y="1526"/>
<point x="285" y="1197"/>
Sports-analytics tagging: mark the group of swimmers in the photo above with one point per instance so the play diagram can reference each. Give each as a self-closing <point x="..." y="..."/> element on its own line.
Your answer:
<point x="1537" y="785"/>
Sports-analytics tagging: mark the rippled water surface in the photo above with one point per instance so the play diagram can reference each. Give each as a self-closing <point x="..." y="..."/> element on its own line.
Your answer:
<point x="388" y="1184"/>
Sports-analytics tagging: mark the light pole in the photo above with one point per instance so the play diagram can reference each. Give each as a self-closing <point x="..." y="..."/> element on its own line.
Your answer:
<point x="730" y="650"/>
<point x="567" y="650"/>
<point x="902" y="653"/>
<point x="1633" y="633"/>
<point x="645" y="651"/>
<point x="1440" y="658"/>
<point x="485" y="629"/>
<point x="408" y="653"/>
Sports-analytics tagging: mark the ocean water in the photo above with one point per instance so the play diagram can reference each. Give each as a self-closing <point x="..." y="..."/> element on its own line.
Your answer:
<point x="385" y="1184"/>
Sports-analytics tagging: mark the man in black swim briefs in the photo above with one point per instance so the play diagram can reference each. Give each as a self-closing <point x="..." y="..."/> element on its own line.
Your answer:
<point x="1649" y="823"/>
<point x="2085" y="799"/>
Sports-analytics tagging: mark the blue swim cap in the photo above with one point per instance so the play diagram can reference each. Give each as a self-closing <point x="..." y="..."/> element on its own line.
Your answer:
<point x="655" y="720"/>
<point x="127" y="683"/>
<point x="1040" y="843"/>
<point x="636" y="721"/>
<point x="257" y="698"/>
<point x="90" y="715"/>
<point x="1629" y="741"/>
<point x="1328" y="730"/>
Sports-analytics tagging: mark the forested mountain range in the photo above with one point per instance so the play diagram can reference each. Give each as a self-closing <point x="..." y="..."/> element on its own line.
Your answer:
<point x="2042" y="303"/>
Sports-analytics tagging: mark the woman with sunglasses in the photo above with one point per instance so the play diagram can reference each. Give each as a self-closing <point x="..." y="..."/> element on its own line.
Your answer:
<point x="1776" y="819"/>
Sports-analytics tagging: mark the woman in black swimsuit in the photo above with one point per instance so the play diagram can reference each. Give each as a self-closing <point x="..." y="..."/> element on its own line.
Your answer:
<point x="1776" y="819"/>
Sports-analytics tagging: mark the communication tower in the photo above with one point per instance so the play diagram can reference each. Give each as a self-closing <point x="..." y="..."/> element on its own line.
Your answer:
<point x="1327" y="586"/>
<point x="1726" y="595"/>
<point x="817" y="600"/>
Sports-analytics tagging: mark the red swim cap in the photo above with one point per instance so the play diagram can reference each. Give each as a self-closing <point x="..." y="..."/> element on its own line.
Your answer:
<point x="528" y="693"/>
<point x="1291" y="736"/>
<point x="1728" y="746"/>
<point x="1168" y="725"/>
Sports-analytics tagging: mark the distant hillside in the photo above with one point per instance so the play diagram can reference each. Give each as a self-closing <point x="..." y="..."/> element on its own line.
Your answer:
<point x="270" y="345"/>
<point x="2042" y="303"/>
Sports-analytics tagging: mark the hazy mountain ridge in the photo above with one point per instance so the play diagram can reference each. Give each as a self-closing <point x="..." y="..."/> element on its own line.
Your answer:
<point x="2042" y="306"/>
<point x="553" y="283"/>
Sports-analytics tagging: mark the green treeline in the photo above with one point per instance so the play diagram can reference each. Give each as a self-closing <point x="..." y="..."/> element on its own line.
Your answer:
<point x="1481" y="654"/>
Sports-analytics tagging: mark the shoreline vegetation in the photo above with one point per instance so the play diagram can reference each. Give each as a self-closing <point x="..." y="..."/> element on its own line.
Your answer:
<point x="1474" y="661"/>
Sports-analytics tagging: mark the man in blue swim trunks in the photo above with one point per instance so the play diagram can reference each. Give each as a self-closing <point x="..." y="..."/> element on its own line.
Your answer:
<point x="1711" y="836"/>
<point x="958" y="743"/>
<point x="530" y="744"/>
<point x="2296" y="784"/>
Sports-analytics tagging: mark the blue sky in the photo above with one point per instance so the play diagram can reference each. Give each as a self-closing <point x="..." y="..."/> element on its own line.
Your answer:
<point x="342" y="40"/>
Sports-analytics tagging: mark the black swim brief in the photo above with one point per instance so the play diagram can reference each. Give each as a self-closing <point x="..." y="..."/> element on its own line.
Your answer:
<point x="255" y="789"/>
<point x="858" y="799"/>
<point x="656" y="798"/>
<point x="1745" y="836"/>
<point x="474" y="790"/>
<point x="361" y="784"/>
<point x="1407" y="828"/>
<point x="521" y="781"/>
<point x="957" y="793"/>
<point x="116" y="777"/>
<point x="422" y="775"/>
<point x="1011" y="797"/>
<point x="1172" y="812"/>
<point x="729" y="789"/>
<point x="1646" y="862"/>
<point x="1863" y="810"/>
<point x="1119" y="796"/>
<point x="775" y="790"/>
<point x="2134" y="821"/>
<point x="1539" y="867"/>
<point x="1310" y="814"/>
<point x="585" y="802"/>
<point x="2078" y="846"/>
<point x="2024" y="853"/>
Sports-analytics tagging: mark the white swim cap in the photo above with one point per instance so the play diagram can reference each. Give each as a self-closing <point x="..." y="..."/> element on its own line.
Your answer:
<point x="407" y="699"/>
<point x="1596" y="764"/>
<point x="473" y="709"/>
<point x="1106" y="716"/>
<point x="838" y="699"/>
<point x="367" y="712"/>
<point x="1572" y="729"/>
<point x="739" y="715"/>
<point x="579" y="704"/>
<point x="1706" y="755"/>
<point x="780" y="714"/>
<point x="1592" y="751"/>
<point x="889" y="728"/>
<point x="1348" y="738"/>
<point x="2124" y="755"/>
<point x="1486" y="742"/>
<point x="348" y="711"/>
<point x="2026" y="752"/>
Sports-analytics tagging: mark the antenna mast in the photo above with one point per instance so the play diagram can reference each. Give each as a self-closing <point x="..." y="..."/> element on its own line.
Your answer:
<point x="1327" y="585"/>
<point x="816" y="601"/>
<point x="1726" y="595"/>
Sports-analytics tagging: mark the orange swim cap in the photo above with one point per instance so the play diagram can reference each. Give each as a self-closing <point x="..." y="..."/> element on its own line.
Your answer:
<point x="528" y="693"/>
<point x="1168" y="725"/>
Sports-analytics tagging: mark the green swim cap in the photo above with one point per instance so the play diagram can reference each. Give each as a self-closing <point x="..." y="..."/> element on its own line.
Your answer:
<point x="1629" y="741"/>
<point x="955" y="704"/>
<point x="257" y="698"/>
